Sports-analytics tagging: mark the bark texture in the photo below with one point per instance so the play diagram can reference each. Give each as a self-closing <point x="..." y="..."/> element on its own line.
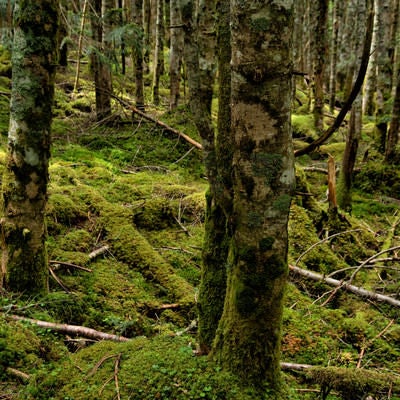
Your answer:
<point x="248" y="337"/>
<point x="24" y="258"/>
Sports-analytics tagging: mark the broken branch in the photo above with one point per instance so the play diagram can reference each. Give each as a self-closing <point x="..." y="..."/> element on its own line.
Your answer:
<point x="71" y="329"/>
<point x="344" y="285"/>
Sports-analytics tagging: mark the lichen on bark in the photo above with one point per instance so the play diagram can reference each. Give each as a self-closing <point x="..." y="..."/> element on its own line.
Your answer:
<point x="24" y="259"/>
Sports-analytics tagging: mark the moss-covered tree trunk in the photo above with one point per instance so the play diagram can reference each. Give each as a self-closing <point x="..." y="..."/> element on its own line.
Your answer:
<point x="217" y="235"/>
<point x="249" y="334"/>
<point x="24" y="259"/>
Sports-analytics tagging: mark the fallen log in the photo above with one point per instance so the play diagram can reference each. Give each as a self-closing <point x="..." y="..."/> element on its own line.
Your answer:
<point x="71" y="329"/>
<point x="344" y="285"/>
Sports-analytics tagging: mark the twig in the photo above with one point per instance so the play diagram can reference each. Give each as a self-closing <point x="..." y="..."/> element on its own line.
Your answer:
<point x="58" y="280"/>
<point x="19" y="374"/>
<point x="116" y="367"/>
<point x="174" y="249"/>
<point x="66" y="264"/>
<point x="98" y="252"/>
<point x="99" y="364"/>
<point x="323" y="241"/>
<point x="363" y="349"/>
<point x="191" y="326"/>
<point x="369" y="260"/>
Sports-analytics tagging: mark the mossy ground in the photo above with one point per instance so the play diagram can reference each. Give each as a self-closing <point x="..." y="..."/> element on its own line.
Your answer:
<point x="141" y="191"/>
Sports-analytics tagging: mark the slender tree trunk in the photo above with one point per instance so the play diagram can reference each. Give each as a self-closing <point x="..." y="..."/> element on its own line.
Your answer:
<point x="384" y="73"/>
<point x="146" y="23"/>
<point x="101" y="69"/>
<point x="158" y="54"/>
<point x="123" y="47"/>
<point x="80" y="42"/>
<point x="248" y="337"/>
<point x="370" y="79"/>
<point x="354" y="132"/>
<point x="24" y="259"/>
<point x="333" y="55"/>
<point x="392" y="153"/>
<point x="175" y="58"/>
<point x="137" y="11"/>
<point x="319" y="45"/>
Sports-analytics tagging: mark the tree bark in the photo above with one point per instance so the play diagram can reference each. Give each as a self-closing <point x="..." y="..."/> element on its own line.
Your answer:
<point x="24" y="258"/>
<point x="101" y="69"/>
<point x="175" y="57"/>
<point x="137" y="11"/>
<point x="158" y="54"/>
<point x="248" y="336"/>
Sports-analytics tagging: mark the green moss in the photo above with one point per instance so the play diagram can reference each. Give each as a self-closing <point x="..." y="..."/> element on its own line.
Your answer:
<point x="171" y="373"/>
<point x="267" y="165"/>
<point x="254" y="219"/>
<point x="282" y="203"/>
<point x="245" y="301"/>
<point x="259" y="24"/>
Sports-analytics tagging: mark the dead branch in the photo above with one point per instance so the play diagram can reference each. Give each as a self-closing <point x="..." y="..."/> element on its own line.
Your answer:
<point x="71" y="329"/>
<point x="58" y="280"/>
<point x="158" y="122"/>
<point x="354" y="92"/>
<point x="332" y="183"/>
<point x="344" y="285"/>
<point x="295" y="367"/>
<point x="98" y="252"/>
<point x="99" y="364"/>
<point x="116" y="368"/>
<point x="66" y="264"/>
<point x="323" y="241"/>
<point x="18" y="374"/>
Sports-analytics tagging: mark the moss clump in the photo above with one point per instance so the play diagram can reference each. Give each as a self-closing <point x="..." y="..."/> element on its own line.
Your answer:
<point x="154" y="214"/>
<point x="161" y="368"/>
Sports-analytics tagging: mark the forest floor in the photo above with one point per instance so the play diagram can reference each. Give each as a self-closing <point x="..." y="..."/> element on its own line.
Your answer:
<point x="125" y="222"/>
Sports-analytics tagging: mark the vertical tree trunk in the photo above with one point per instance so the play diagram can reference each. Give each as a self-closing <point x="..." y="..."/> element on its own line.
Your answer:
<point x="137" y="13"/>
<point x="123" y="48"/>
<point x="24" y="260"/>
<point x="392" y="153"/>
<point x="175" y="57"/>
<point x="146" y="23"/>
<point x="370" y="79"/>
<point x="248" y="337"/>
<point x="319" y="11"/>
<point x="363" y="29"/>
<point x="384" y="73"/>
<point x="158" y="54"/>
<point x="101" y="69"/>
<point x="333" y="53"/>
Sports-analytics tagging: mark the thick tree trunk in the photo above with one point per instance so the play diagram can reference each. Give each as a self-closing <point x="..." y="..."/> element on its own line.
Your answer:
<point x="392" y="154"/>
<point x="24" y="259"/>
<point x="175" y="56"/>
<point x="248" y="337"/>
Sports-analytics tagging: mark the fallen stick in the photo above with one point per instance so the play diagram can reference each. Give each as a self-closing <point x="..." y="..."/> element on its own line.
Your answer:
<point x="71" y="329"/>
<point x="158" y="122"/>
<point x="344" y="285"/>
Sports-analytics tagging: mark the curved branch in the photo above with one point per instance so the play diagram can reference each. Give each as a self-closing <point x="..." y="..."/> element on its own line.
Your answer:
<point x="354" y="92"/>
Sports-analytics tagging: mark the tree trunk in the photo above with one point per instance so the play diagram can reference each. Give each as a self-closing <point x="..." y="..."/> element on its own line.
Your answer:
<point x="216" y="240"/>
<point x="137" y="13"/>
<point x="24" y="259"/>
<point x="248" y="337"/>
<point x="319" y="15"/>
<point x="176" y="49"/>
<point x="392" y="153"/>
<point x="101" y="69"/>
<point x="384" y="73"/>
<point x="158" y="54"/>
<point x="354" y="132"/>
